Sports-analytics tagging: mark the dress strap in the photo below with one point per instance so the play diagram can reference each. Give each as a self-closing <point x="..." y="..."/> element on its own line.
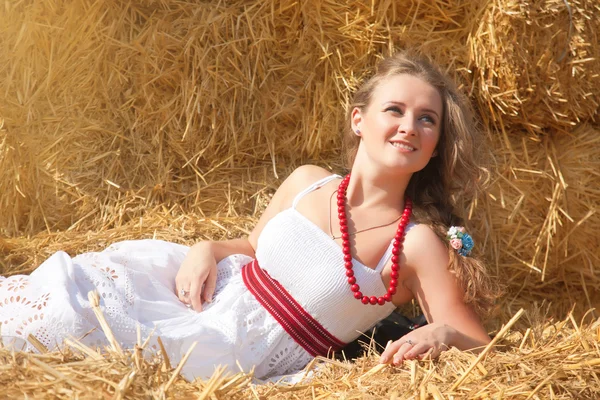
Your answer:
<point x="388" y="253"/>
<point x="314" y="186"/>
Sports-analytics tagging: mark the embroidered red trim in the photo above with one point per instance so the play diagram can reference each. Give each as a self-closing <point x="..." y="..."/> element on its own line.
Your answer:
<point x="298" y="323"/>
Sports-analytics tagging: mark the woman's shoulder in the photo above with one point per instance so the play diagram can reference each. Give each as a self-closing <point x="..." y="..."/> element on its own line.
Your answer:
<point x="309" y="173"/>
<point x="304" y="176"/>
<point x="425" y="249"/>
<point x="300" y="179"/>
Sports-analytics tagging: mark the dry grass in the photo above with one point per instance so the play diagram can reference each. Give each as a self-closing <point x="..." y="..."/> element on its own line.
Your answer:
<point x="536" y="64"/>
<point x="177" y="120"/>
<point x="549" y="360"/>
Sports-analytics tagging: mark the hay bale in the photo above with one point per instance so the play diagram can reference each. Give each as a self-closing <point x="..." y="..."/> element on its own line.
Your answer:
<point x="541" y="215"/>
<point x="536" y="64"/>
<point x="111" y="109"/>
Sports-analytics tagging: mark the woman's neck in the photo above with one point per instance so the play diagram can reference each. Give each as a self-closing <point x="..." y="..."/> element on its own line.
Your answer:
<point x="369" y="189"/>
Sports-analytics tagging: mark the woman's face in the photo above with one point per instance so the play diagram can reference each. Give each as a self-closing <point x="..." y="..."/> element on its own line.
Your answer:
<point x="401" y="126"/>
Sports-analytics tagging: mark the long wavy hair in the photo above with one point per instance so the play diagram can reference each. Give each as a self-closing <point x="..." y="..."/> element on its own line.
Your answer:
<point x="451" y="180"/>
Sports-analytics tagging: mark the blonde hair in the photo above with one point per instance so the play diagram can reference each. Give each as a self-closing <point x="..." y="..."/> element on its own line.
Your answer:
<point x="452" y="179"/>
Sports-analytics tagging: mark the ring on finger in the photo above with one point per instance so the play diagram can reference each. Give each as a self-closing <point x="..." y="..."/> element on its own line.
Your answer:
<point x="183" y="292"/>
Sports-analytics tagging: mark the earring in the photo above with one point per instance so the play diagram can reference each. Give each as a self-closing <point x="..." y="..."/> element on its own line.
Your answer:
<point x="357" y="132"/>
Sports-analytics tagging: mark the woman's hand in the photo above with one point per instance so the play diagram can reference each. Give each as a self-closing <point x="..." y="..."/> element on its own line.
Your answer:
<point x="429" y="340"/>
<point x="196" y="280"/>
<point x="197" y="277"/>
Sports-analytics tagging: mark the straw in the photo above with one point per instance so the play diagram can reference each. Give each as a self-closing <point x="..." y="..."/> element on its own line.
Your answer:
<point x="178" y="121"/>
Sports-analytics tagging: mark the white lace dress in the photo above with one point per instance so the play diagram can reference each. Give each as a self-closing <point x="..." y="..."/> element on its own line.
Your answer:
<point x="136" y="283"/>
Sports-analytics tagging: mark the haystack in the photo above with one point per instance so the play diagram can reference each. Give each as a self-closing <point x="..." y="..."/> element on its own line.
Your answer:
<point x="536" y="64"/>
<point x="178" y="121"/>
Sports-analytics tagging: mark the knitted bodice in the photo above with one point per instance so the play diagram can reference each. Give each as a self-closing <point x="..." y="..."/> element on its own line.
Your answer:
<point x="310" y="266"/>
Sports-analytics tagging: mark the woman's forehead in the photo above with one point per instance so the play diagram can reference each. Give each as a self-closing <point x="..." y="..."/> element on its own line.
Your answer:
<point x="407" y="89"/>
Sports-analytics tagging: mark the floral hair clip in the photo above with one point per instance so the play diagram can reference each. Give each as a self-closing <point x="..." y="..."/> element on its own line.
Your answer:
<point x="460" y="240"/>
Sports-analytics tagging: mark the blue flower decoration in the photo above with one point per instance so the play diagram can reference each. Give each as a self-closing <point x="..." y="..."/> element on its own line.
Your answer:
<point x="467" y="245"/>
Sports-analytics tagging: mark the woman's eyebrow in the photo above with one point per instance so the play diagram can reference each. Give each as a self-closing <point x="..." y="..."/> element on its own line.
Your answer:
<point x="399" y="103"/>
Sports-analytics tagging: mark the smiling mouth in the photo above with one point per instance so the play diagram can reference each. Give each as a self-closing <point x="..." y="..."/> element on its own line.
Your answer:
<point x="402" y="146"/>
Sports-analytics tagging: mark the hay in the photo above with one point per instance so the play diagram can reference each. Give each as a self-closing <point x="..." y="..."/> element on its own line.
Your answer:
<point x="177" y="121"/>
<point x="113" y="108"/>
<point x="541" y="217"/>
<point x="537" y="64"/>
<point x="549" y="360"/>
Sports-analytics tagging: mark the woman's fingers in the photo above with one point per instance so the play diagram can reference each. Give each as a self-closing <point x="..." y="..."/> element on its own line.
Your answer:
<point x="209" y="285"/>
<point x="417" y="350"/>
<point x="407" y="349"/>
<point x="388" y="352"/>
<point x="196" y="295"/>
<point x="395" y="351"/>
<point x="399" y="356"/>
<point x="182" y="292"/>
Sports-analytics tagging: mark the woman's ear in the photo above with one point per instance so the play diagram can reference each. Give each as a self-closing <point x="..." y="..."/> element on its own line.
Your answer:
<point x="356" y="119"/>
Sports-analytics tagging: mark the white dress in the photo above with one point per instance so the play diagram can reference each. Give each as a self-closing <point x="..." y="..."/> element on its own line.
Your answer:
<point x="136" y="283"/>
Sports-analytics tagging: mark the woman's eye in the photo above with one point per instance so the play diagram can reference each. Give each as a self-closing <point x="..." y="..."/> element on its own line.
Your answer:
<point x="394" y="109"/>
<point x="428" y="119"/>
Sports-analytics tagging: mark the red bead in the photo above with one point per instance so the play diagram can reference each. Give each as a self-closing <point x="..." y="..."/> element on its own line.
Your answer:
<point x="343" y="228"/>
<point x="345" y="236"/>
<point x="373" y="300"/>
<point x="403" y="219"/>
<point x="395" y="267"/>
<point x="346" y="249"/>
<point x="349" y="273"/>
<point x="381" y="301"/>
<point x="341" y="195"/>
<point x="347" y="257"/>
<point x="394" y="274"/>
<point x="392" y="290"/>
<point x="341" y="202"/>
<point x="387" y="297"/>
<point x="365" y="300"/>
<point x="355" y="288"/>
<point x="342" y="210"/>
<point x="348" y="264"/>
<point x="352" y="280"/>
<point x="395" y="251"/>
<point x="395" y="259"/>
<point x="393" y="282"/>
<point x="358" y="295"/>
<point x="343" y="221"/>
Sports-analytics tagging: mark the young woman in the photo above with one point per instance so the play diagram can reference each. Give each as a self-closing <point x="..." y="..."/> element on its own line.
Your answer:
<point x="330" y="257"/>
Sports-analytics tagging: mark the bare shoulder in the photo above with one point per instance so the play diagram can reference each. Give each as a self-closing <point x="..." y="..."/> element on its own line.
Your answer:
<point x="308" y="173"/>
<point x="424" y="250"/>
<point x="303" y="177"/>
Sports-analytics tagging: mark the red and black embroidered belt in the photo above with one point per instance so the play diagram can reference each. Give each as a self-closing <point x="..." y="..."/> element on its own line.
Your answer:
<point x="298" y="323"/>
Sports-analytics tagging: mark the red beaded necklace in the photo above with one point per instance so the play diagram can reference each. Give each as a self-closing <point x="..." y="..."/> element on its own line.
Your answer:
<point x="396" y="248"/>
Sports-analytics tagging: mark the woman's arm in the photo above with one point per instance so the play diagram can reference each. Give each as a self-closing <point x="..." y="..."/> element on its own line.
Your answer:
<point x="451" y="321"/>
<point x="198" y="272"/>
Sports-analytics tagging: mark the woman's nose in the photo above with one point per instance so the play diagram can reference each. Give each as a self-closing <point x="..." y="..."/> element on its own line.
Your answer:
<point x="407" y="126"/>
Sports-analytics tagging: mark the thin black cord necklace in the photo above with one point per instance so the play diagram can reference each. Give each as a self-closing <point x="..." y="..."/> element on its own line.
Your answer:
<point x="359" y="231"/>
